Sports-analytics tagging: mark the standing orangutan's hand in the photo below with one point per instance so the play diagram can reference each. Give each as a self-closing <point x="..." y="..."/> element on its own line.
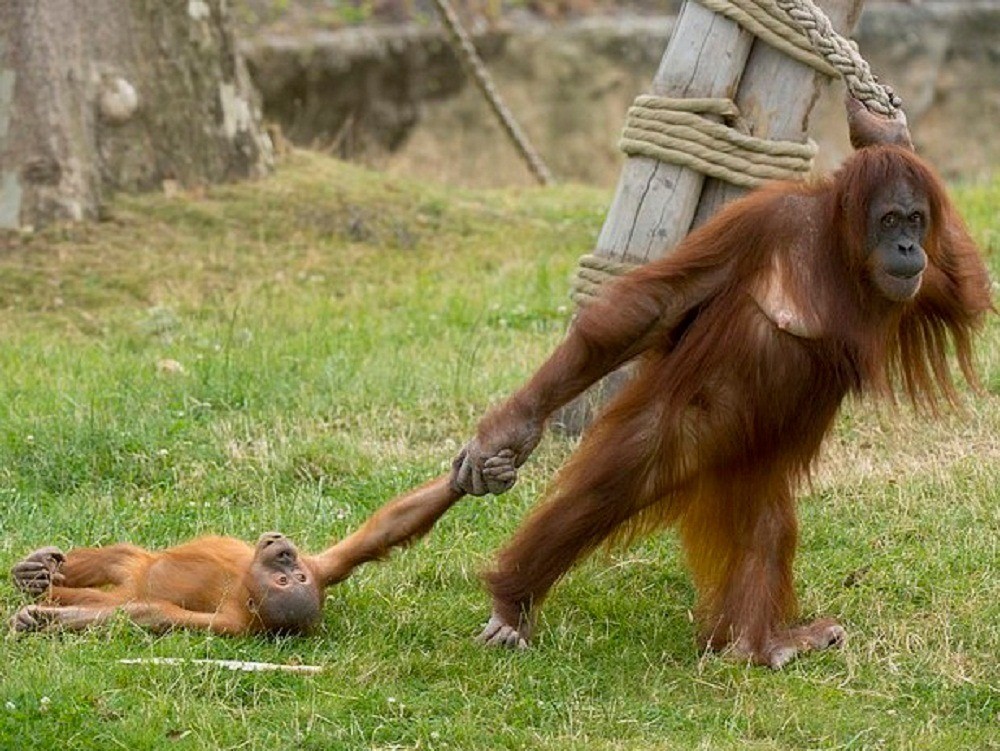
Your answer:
<point x="504" y="441"/>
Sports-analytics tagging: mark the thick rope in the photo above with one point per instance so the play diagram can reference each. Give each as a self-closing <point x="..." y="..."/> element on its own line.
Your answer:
<point x="800" y="29"/>
<point x="766" y="21"/>
<point x="474" y="67"/>
<point x="592" y="273"/>
<point x="843" y="55"/>
<point x="676" y="131"/>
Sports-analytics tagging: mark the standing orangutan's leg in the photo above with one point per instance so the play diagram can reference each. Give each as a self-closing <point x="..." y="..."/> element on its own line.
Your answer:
<point x="558" y="534"/>
<point x="740" y="537"/>
<point x="612" y="477"/>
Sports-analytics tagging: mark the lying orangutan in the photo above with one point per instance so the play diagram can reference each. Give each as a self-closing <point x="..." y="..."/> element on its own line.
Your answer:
<point x="220" y="584"/>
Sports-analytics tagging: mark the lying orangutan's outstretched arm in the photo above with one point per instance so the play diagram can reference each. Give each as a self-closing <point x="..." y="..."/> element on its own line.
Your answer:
<point x="637" y="311"/>
<point x="399" y="522"/>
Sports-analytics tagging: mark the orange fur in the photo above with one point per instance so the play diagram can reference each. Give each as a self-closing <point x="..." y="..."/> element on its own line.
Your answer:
<point x="726" y="413"/>
<point x="204" y="583"/>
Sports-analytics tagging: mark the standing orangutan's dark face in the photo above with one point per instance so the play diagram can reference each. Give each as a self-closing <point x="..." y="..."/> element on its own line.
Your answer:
<point x="897" y="223"/>
<point x="283" y="591"/>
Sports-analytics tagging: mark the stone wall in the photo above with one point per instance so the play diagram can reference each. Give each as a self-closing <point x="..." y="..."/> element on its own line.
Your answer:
<point x="396" y="97"/>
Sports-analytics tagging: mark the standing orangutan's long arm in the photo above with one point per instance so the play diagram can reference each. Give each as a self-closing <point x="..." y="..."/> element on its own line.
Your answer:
<point x="631" y="315"/>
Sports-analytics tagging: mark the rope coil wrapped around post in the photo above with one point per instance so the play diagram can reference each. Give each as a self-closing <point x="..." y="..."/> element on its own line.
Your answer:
<point x="678" y="131"/>
<point x="592" y="273"/>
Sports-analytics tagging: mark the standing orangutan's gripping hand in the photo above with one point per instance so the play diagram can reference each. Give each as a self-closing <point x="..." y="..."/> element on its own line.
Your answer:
<point x="505" y="434"/>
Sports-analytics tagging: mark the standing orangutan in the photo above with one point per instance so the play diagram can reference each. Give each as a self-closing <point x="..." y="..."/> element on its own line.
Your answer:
<point x="749" y="336"/>
<point x="219" y="583"/>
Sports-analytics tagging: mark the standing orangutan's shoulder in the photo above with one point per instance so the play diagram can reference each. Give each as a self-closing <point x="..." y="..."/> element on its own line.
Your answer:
<point x="786" y="287"/>
<point x="782" y="292"/>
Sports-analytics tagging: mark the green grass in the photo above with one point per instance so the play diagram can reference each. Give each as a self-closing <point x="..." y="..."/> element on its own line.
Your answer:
<point x="339" y="334"/>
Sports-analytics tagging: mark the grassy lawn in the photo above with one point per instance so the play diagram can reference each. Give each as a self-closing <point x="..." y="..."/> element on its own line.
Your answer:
<point x="290" y="354"/>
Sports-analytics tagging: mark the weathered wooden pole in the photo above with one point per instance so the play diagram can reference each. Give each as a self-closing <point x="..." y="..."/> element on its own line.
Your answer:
<point x="657" y="204"/>
<point x="776" y="97"/>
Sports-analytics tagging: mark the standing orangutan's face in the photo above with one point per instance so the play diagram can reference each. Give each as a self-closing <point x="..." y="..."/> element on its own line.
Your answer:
<point x="283" y="592"/>
<point x="897" y="223"/>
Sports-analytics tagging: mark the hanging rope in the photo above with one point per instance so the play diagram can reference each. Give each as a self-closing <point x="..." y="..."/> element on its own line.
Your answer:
<point x="474" y="67"/>
<point x="677" y="131"/>
<point x="843" y="55"/>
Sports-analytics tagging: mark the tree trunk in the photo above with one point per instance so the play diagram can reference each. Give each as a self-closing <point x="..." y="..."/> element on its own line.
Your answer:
<point x="103" y="95"/>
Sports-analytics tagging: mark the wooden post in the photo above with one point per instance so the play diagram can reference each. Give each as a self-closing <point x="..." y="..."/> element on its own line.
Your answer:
<point x="656" y="204"/>
<point x="776" y="96"/>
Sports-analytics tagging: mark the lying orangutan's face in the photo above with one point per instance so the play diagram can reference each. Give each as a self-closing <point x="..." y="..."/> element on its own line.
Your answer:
<point x="283" y="591"/>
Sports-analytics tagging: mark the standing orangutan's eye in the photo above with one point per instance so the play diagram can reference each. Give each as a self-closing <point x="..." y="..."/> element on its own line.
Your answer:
<point x="890" y="221"/>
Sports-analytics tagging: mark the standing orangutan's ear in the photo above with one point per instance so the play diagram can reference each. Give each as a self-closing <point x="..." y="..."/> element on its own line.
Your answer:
<point x="870" y="129"/>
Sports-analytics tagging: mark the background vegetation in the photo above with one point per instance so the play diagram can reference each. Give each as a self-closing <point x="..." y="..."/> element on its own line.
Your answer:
<point x="292" y="353"/>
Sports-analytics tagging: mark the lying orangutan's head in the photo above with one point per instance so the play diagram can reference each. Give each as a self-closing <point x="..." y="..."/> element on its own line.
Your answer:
<point x="284" y="594"/>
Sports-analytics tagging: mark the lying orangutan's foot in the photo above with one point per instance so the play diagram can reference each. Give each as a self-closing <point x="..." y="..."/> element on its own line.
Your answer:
<point x="498" y="632"/>
<point x="38" y="571"/>
<point x="32" y="618"/>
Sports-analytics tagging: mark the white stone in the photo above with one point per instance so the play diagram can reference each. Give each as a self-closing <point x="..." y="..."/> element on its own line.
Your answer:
<point x="119" y="100"/>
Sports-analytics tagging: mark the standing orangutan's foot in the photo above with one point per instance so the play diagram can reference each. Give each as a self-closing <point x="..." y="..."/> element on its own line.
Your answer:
<point x="784" y="647"/>
<point x="508" y="627"/>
